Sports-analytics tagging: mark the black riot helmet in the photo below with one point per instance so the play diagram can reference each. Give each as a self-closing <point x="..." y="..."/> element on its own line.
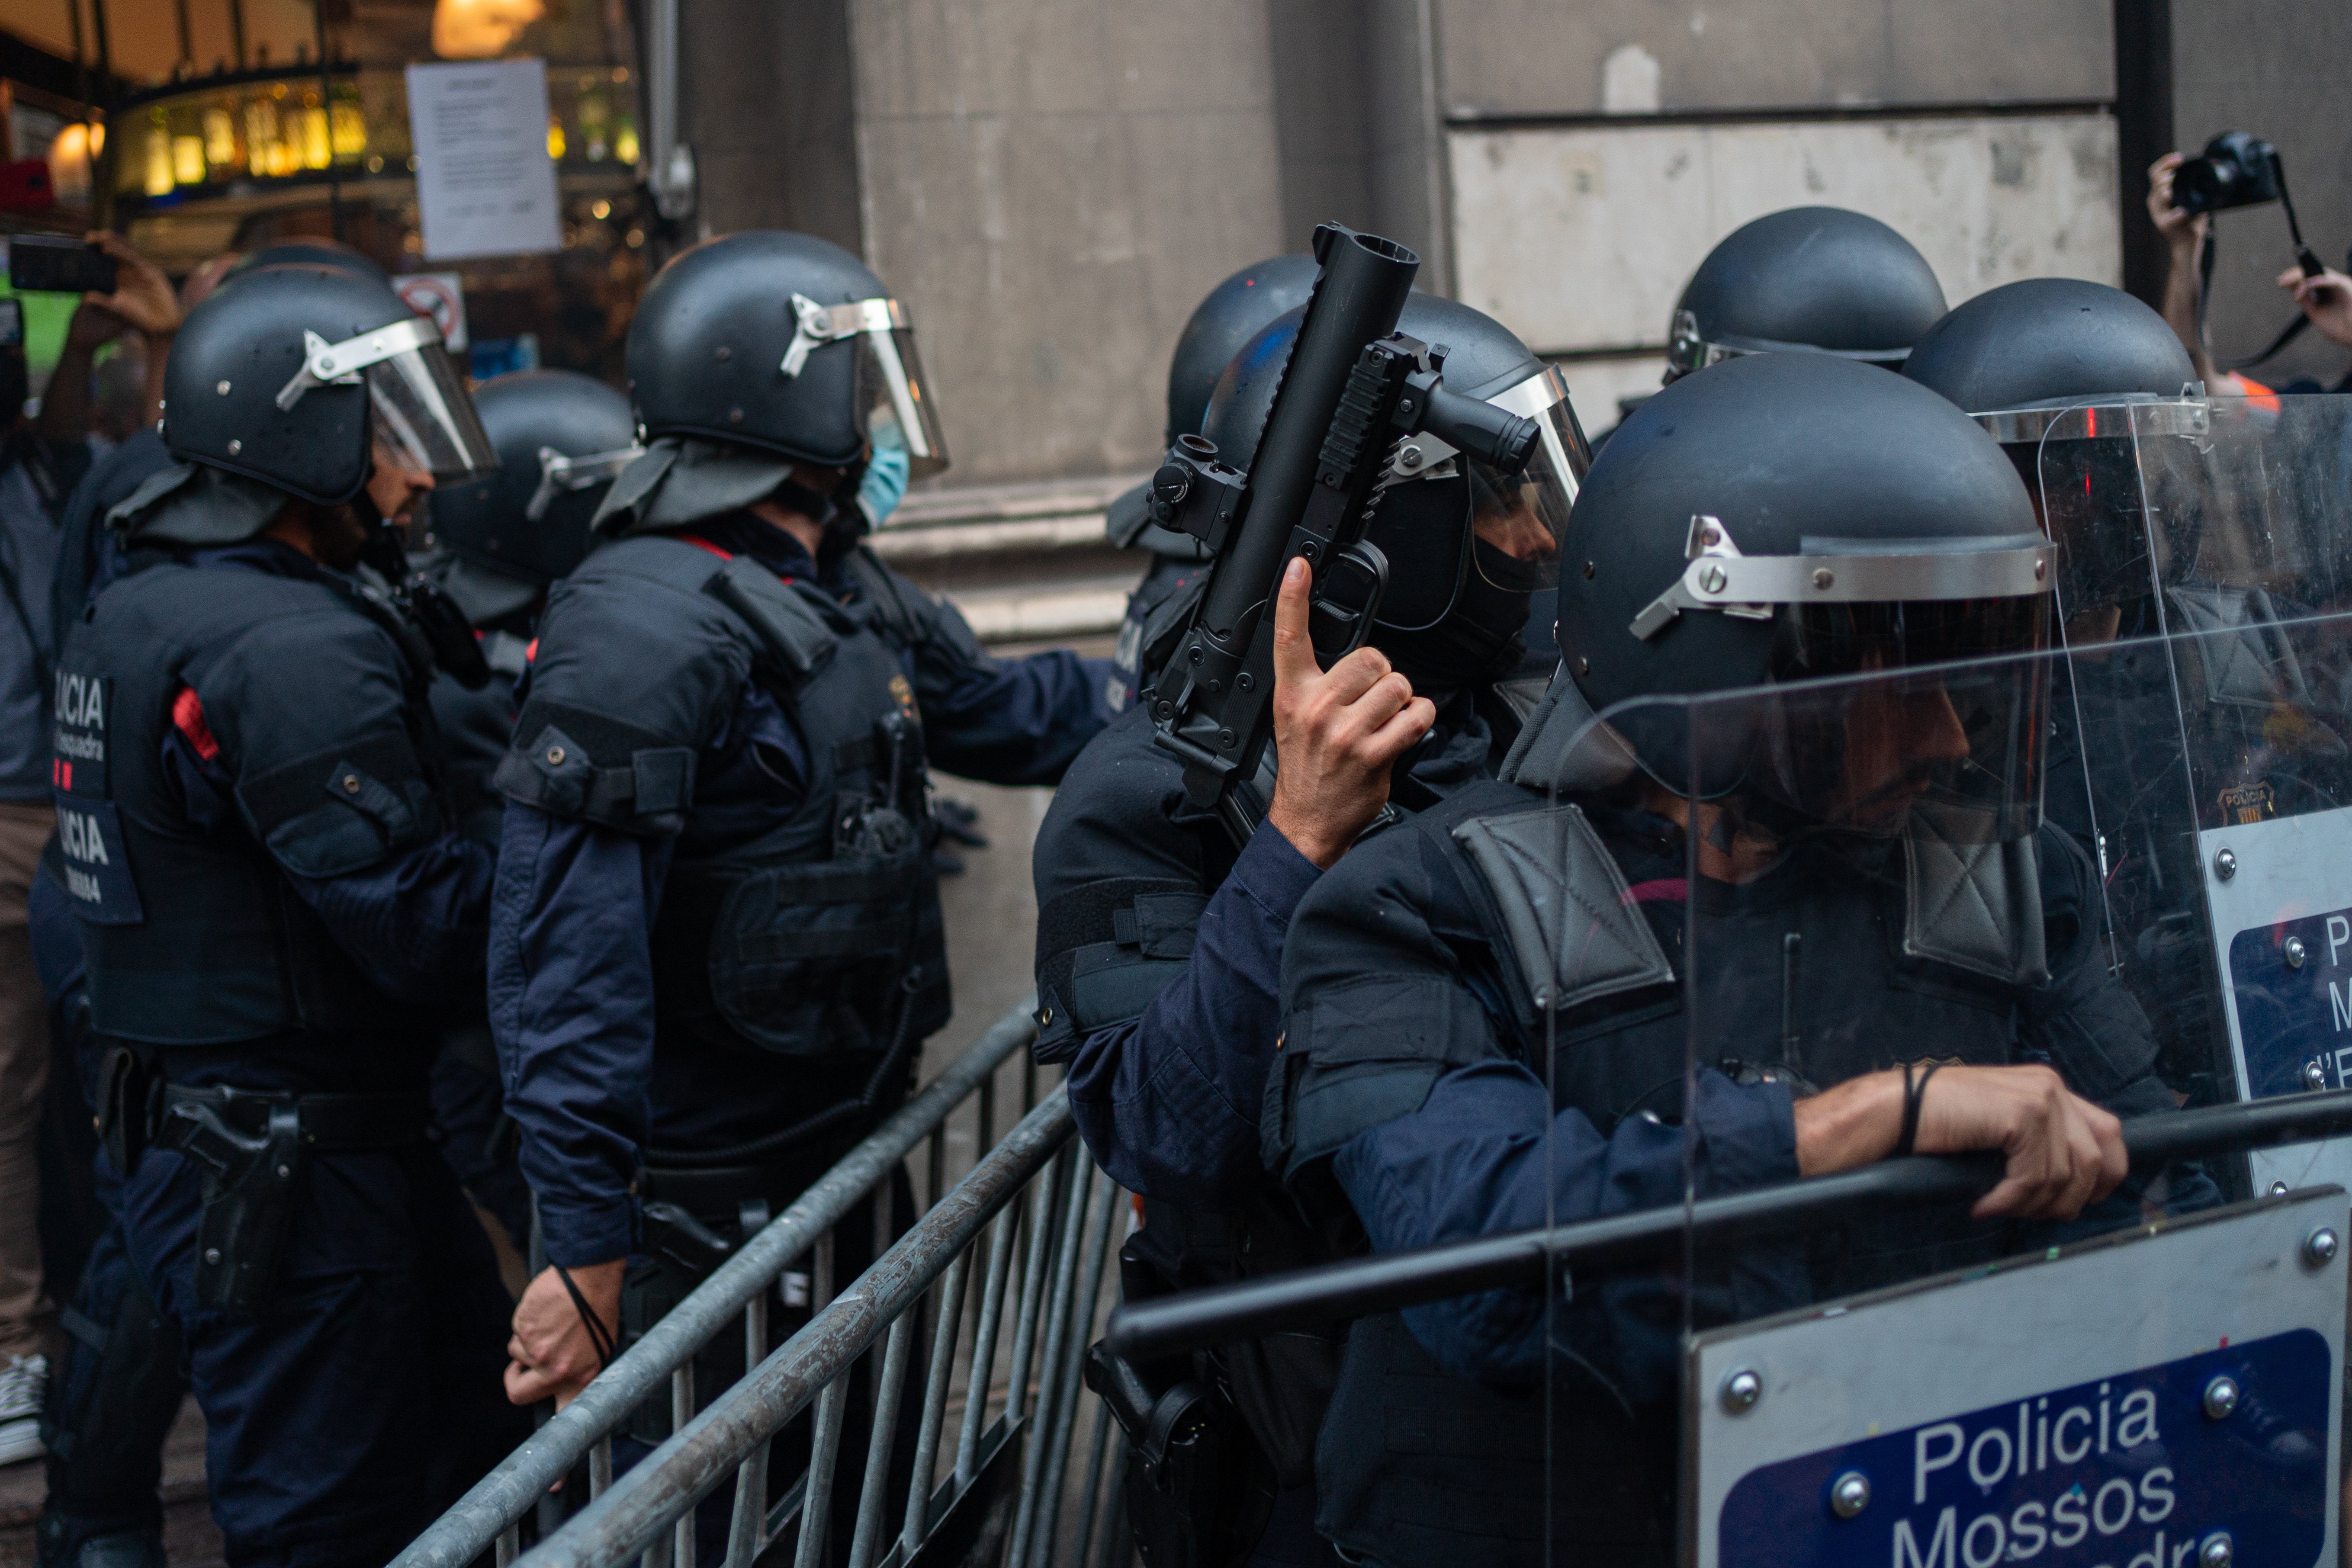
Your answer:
<point x="1234" y="311"/>
<point x="293" y="373"/>
<point x="1795" y="518"/>
<point x="785" y="343"/>
<point x="2048" y="343"/>
<point x="1808" y="280"/>
<point x="2068" y="376"/>
<point x="1455" y="533"/>
<point x="561" y="438"/>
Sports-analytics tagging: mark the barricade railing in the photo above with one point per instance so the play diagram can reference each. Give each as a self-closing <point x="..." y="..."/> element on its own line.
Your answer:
<point x="737" y="1295"/>
<point x="1034" y="1211"/>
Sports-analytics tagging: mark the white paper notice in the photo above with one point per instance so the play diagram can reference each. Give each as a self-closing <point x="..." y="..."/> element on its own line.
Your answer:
<point x="485" y="184"/>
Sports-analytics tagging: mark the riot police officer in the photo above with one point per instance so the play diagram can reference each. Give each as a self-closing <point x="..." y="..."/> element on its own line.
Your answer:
<point x="275" y="909"/>
<point x="2072" y="377"/>
<point x="1159" y="939"/>
<point x="716" y="948"/>
<point x="499" y="542"/>
<point x="1233" y="313"/>
<point x="1486" y="1009"/>
<point x="1805" y="281"/>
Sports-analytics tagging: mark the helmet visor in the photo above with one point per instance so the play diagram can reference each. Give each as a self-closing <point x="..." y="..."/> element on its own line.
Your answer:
<point x="423" y="417"/>
<point x="1514" y="523"/>
<point x="893" y="391"/>
<point x="1521" y="519"/>
<point x="1938" y="703"/>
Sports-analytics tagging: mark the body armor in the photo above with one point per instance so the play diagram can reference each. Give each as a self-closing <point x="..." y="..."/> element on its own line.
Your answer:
<point x="1911" y="951"/>
<point x="820" y="939"/>
<point x="197" y="937"/>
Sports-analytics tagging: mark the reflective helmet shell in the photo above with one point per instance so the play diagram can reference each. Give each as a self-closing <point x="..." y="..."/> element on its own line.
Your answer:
<point x="709" y="341"/>
<point x="2049" y="341"/>
<point x="1233" y="313"/>
<point x="240" y="347"/>
<point x="485" y="520"/>
<point x="1817" y="277"/>
<point x="1779" y="449"/>
<point x="1484" y="358"/>
<point x="1424" y="526"/>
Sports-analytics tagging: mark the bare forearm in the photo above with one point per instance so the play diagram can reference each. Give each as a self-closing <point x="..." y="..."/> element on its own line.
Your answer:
<point x="2180" y="310"/>
<point x="1853" y="1125"/>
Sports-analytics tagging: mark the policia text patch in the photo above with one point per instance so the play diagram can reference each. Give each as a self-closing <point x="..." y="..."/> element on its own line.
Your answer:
<point x="97" y="874"/>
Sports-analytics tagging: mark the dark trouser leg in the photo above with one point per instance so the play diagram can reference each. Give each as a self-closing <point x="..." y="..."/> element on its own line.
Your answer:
<point x="110" y="1404"/>
<point x="649" y="1293"/>
<point x="354" y="1408"/>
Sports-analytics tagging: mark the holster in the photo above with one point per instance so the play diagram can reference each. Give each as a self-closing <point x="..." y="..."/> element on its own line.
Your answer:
<point x="1200" y="1487"/>
<point x="248" y="1196"/>
<point x="251" y="1147"/>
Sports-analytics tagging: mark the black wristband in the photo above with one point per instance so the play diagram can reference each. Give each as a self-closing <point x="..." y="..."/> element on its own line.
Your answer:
<point x="1914" y="1090"/>
<point x="599" y="1337"/>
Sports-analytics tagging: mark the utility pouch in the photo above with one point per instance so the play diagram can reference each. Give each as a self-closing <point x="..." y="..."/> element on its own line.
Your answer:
<point x="1199" y="1489"/>
<point x="248" y="1199"/>
<point x="682" y="1241"/>
<point x="126" y="1084"/>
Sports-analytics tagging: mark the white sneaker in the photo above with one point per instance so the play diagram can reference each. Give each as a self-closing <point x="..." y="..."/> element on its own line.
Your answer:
<point x="22" y="1383"/>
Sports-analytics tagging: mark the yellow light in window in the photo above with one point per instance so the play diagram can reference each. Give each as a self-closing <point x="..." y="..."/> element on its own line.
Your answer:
<point x="261" y="137"/>
<point x="312" y="128"/>
<point x="601" y="208"/>
<point x="554" y="137"/>
<point x="220" y="139"/>
<point x="350" y="131"/>
<point x="188" y="160"/>
<point x="159" y="162"/>
<point x="624" y="142"/>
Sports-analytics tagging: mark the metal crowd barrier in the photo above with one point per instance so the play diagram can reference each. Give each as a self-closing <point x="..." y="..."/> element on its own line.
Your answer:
<point x="1057" y="1245"/>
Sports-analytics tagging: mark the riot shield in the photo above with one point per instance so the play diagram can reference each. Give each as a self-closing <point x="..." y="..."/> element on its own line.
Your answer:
<point x="1830" y="892"/>
<point x="2200" y="743"/>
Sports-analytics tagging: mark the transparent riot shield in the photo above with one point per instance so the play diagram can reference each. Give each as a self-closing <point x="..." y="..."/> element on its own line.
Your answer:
<point x="2206" y="565"/>
<point x="1859" y="899"/>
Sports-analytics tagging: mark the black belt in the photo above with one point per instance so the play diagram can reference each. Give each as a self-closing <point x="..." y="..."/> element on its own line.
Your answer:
<point x="331" y="1123"/>
<point x="718" y="1192"/>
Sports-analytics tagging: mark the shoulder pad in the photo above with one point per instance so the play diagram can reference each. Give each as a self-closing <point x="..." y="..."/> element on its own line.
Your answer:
<point x="313" y="708"/>
<point x="1106" y="951"/>
<point x="1561" y="909"/>
<point x="2246" y="661"/>
<point x="1970" y="902"/>
<point x="792" y="632"/>
<point x="635" y="669"/>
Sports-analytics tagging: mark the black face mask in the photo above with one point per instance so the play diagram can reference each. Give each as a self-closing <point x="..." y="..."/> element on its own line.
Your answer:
<point x="1478" y="642"/>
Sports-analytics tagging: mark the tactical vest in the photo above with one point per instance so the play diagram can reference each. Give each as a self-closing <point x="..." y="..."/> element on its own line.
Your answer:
<point x="194" y="937"/>
<point x="822" y="939"/>
<point x="1927" y="959"/>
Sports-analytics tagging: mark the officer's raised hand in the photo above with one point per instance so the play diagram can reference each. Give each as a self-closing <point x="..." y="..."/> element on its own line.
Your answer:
<point x="1335" y="731"/>
<point x="552" y="1350"/>
<point x="2063" y="1151"/>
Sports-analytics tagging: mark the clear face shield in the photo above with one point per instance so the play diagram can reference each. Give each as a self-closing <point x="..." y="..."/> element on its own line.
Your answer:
<point x="1902" y="678"/>
<point x="423" y="417"/>
<point x="891" y="389"/>
<point x="1887" y="1380"/>
<point x="1514" y="524"/>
